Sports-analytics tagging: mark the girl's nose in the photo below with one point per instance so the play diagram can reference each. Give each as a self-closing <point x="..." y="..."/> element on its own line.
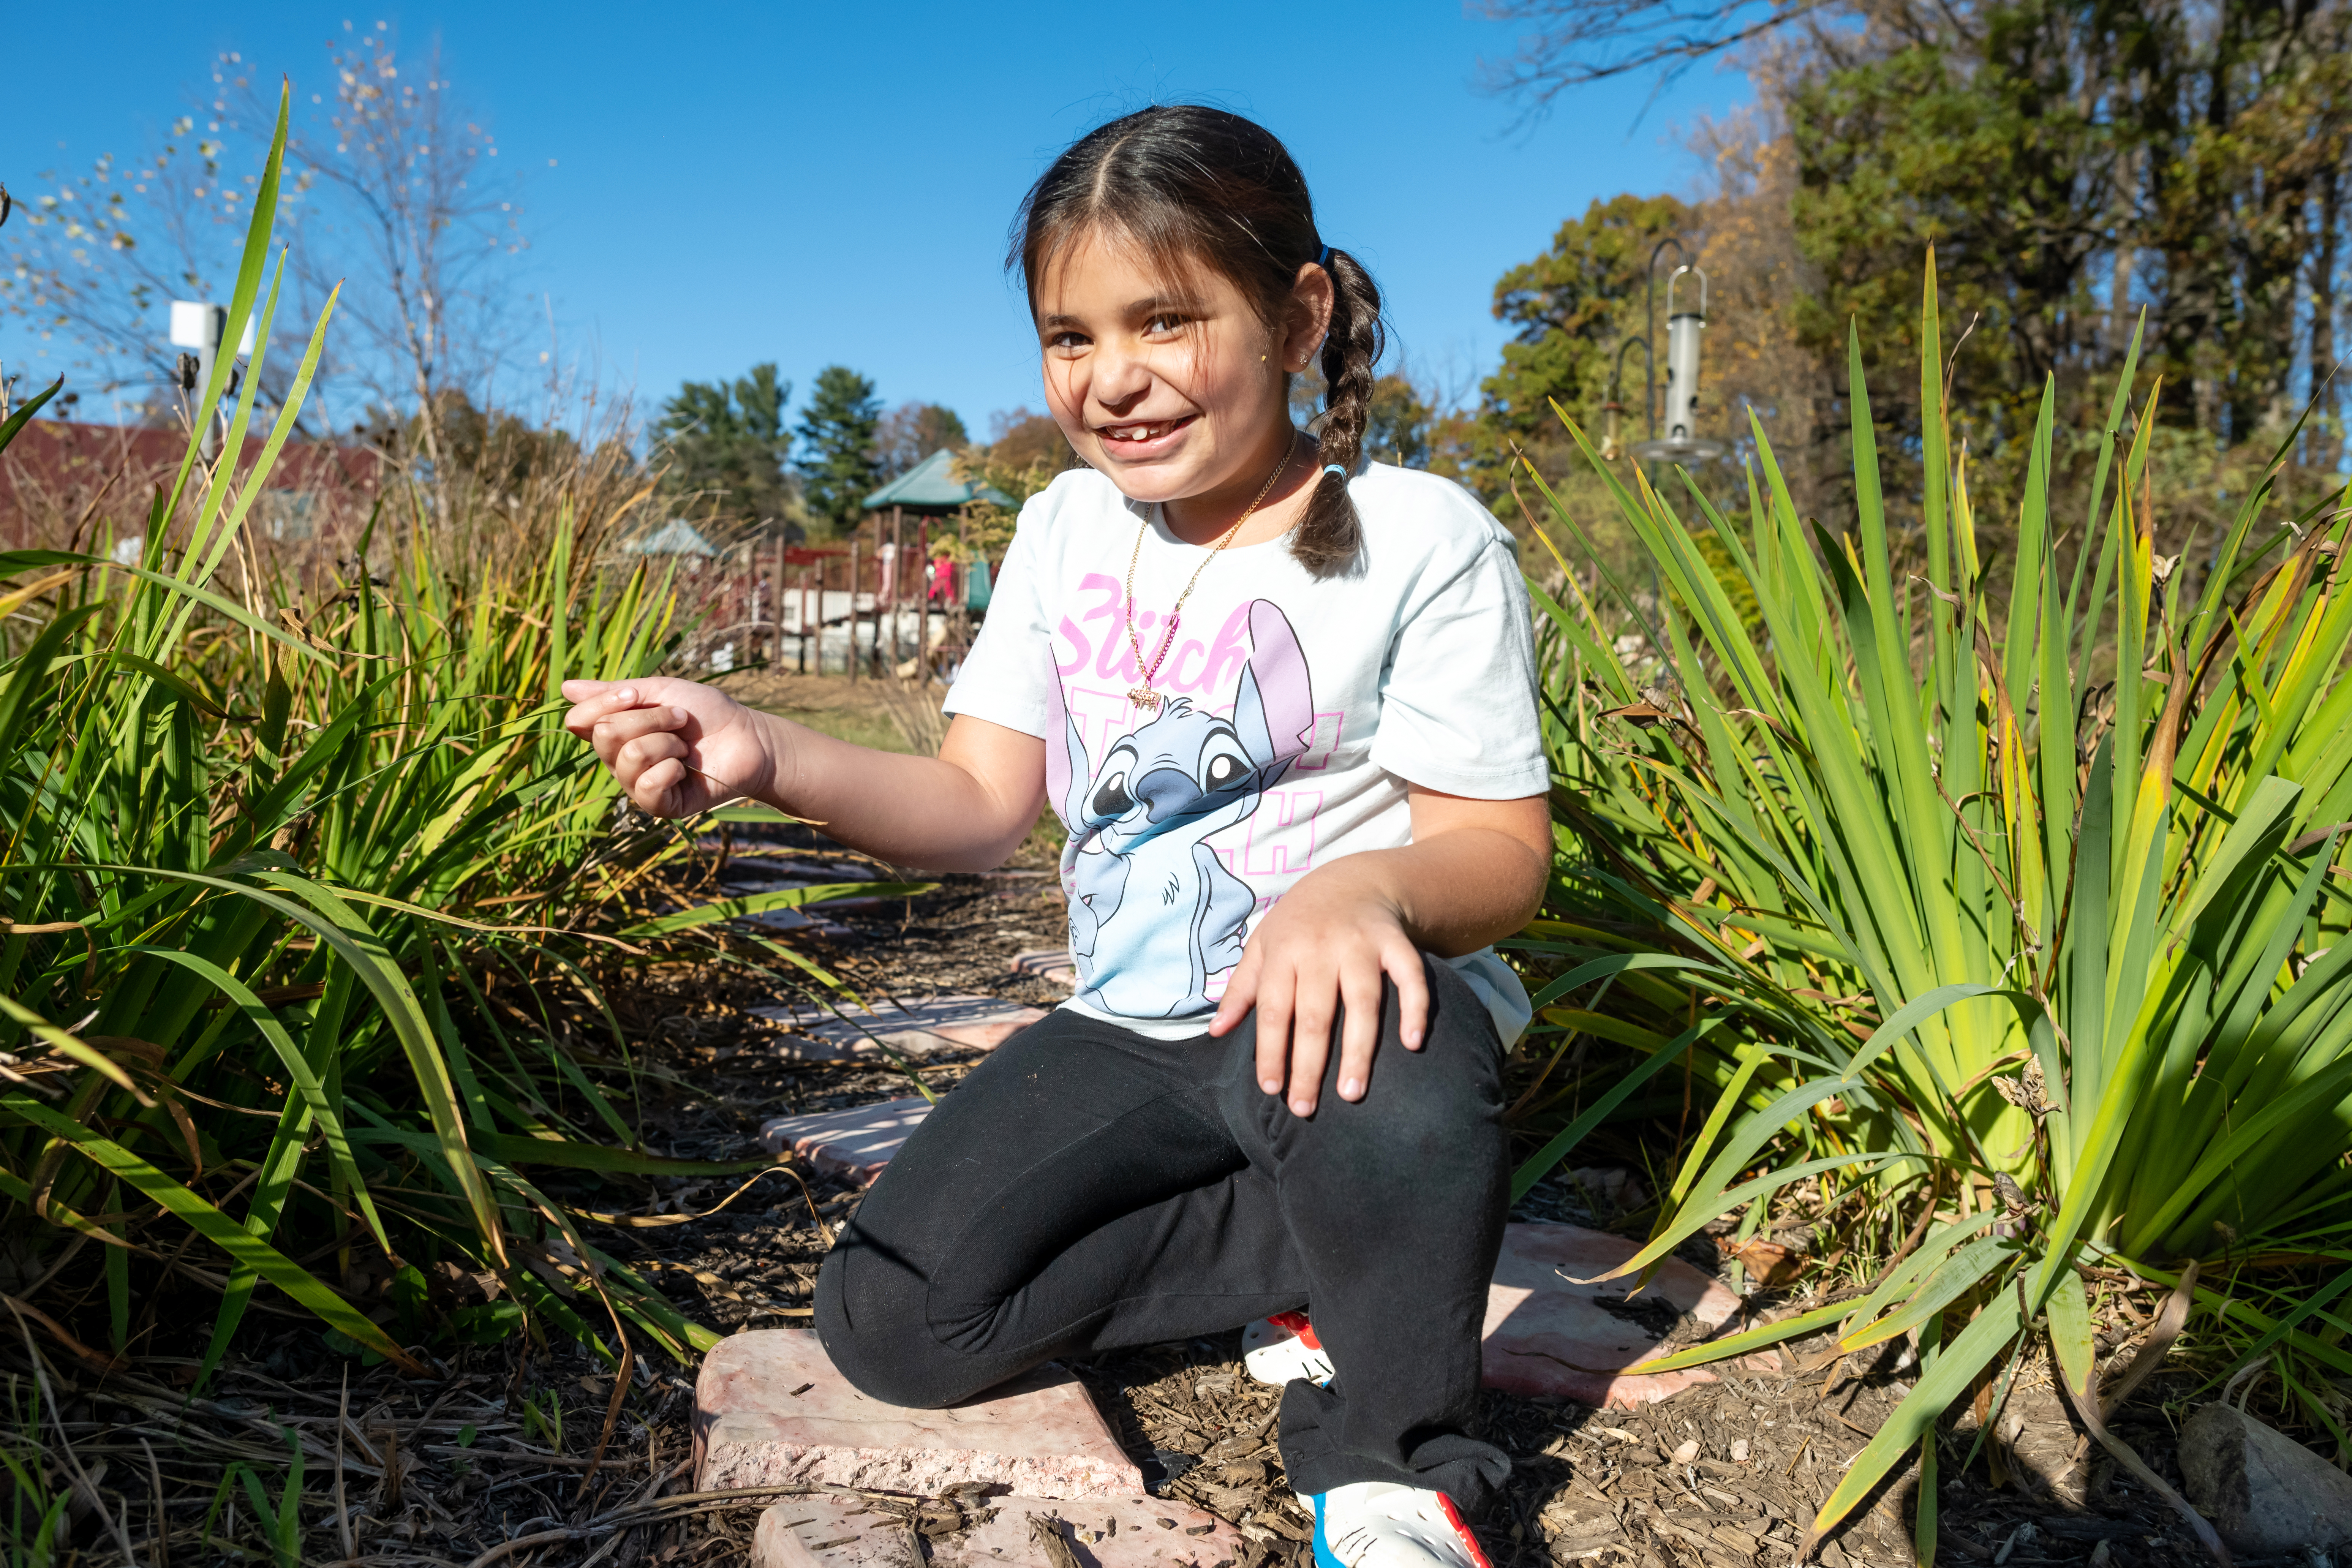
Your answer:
<point x="1121" y="376"/>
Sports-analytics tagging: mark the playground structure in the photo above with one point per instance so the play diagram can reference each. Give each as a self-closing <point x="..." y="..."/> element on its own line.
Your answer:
<point x="888" y="600"/>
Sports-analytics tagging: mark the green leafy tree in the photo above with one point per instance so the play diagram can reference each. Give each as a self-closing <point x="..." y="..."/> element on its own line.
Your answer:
<point x="2072" y="160"/>
<point x="2075" y="161"/>
<point x="726" y="446"/>
<point x="1397" y="429"/>
<point x="1567" y="309"/>
<point x="838" y="465"/>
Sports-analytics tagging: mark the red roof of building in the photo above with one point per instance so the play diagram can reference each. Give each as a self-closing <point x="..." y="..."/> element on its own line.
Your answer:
<point x="54" y="461"/>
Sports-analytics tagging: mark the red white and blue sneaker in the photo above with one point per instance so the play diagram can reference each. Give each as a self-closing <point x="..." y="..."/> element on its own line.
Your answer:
<point x="1278" y="1349"/>
<point x="1379" y="1524"/>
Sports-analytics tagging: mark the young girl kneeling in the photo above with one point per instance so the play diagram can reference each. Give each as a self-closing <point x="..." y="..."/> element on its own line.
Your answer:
<point x="1284" y="702"/>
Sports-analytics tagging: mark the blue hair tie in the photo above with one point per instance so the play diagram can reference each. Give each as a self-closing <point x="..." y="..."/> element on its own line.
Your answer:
<point x="1323" y="259"/>
<point x="1336" y="468"/>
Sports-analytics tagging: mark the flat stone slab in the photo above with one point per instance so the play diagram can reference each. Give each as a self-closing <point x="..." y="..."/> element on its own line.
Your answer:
<point x="1103" y="1532"/>
<point x="854" y="1143"/>
<point x="912" y="1029"/>
<point x="1055" y="965"/>
<point x="1547" y="1336"/>
<point x="770" y="1410"/>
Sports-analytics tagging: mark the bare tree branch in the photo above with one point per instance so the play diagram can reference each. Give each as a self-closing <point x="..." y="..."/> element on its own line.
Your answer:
<point x="1577" y="42"/>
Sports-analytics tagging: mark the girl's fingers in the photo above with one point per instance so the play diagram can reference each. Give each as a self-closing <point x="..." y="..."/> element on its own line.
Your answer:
<point x="594" y="701"/>
<point x="1359" y="1035"/>
<point x="655" y="786"/>
<point x="624" y="730"/>
<point x="1273" y="995"/>
<point x="649" y="765"/>
<point x="1310" y="1041"/>
<point x="1402" y="960"/>
<point x="1241" y="995"/>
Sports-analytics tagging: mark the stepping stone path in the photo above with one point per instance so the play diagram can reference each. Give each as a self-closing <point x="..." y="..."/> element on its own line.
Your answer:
<point x="1547" y="1336"/>
<point x="751" y="876"/>
<point x="914" y="1029"/>
<point x="1113" y="1532"/>
<point x="770" y="1410"/>
<point x="854" y="1143"/>
<point x="1054" y="964"/>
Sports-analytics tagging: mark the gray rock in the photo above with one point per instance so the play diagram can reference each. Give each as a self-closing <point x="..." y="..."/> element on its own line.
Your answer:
<point x="2264" y="1492"/>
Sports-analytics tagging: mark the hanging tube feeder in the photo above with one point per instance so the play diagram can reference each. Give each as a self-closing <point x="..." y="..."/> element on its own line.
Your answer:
<point x="1682" y="443"/>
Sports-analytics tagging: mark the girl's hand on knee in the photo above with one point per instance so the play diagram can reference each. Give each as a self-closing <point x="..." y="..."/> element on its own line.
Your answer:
<point x="676" y="746"/>
<point x="1320" y="953"/>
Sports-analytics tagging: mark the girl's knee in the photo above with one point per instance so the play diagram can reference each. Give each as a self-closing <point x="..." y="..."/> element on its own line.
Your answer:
<point x="874" y="1331"/>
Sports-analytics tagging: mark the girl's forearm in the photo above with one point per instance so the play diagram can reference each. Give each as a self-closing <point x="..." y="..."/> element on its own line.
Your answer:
<point x="1454" y="892"/>
<point x="963" y="810"/>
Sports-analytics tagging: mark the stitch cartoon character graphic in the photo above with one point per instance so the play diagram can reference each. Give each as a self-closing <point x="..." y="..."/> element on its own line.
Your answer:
<point x="1154" y="913"/>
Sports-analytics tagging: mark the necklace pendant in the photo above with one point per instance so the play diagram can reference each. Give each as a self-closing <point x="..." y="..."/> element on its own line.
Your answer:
<point x="1144" y="699"/>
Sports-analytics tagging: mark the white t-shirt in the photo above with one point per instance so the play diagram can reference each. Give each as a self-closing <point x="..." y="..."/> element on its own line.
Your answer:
<point x="1295" y="710"/>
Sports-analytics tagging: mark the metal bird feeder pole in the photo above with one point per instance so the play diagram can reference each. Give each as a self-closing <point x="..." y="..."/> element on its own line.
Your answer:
<point x="1682" y="442"/>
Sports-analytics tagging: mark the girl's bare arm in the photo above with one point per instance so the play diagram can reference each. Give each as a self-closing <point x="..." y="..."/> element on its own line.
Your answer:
<point x="678" y="748"/>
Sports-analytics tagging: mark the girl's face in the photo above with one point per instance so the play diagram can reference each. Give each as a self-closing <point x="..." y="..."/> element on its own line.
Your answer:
<point x="1177" y="391"/>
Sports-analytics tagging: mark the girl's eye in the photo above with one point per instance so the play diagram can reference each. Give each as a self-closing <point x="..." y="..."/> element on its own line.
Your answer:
<point x="1066" y="341"/>
<point x="1164" y="323"/>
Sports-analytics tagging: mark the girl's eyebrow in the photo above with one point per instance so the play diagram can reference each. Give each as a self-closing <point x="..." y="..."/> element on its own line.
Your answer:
<point x="1142" y="307"/>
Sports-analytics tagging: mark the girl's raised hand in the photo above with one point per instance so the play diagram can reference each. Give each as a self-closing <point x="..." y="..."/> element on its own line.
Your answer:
<point x="676" y="746"/>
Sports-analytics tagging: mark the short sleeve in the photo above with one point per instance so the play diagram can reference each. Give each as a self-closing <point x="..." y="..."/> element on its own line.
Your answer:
<point x="1004" y="677"/>
<point x="1458" y="697"/>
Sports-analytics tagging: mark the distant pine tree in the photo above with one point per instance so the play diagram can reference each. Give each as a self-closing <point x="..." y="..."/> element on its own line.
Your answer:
<point x="838" y="464"/>
<point x="726" y="446"/>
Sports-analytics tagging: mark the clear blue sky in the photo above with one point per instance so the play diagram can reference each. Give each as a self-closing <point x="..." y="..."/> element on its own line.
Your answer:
<point x="812" y="185"/>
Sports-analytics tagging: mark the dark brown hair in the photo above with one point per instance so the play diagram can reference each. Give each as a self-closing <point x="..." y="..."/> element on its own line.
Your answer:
<point x="1194" y="187"/>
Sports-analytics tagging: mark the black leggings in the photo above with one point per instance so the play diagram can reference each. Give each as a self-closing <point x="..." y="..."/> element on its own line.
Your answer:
<point x="1087" y="1188"/>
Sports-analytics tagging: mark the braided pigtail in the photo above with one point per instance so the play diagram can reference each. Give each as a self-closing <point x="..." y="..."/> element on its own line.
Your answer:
<point x="1329" y="533"/>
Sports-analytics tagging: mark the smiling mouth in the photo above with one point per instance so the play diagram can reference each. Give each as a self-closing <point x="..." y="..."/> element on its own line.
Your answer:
<point x="1142" y="433"/>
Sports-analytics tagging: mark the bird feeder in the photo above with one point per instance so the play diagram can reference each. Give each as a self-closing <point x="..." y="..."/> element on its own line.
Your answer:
<point x="1682" y="442"/>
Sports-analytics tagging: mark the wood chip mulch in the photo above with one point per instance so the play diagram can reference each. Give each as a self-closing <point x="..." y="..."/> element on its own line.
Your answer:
<point x="486" y="1465"/>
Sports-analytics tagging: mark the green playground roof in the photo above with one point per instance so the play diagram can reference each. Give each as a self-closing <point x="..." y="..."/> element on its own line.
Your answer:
<point x="931" y="485"/>
<point x="676" y="537"/>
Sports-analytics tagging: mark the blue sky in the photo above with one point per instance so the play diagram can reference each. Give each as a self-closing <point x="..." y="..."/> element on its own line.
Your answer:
<point x="709" y="187"/>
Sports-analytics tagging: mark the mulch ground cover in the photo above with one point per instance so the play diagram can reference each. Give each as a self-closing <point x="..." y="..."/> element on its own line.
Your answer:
<point x="519" y="1453"/>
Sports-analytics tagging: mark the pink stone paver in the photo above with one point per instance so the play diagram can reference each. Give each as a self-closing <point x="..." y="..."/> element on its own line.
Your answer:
<point x="1545" y="1335"/>
<point x="854" y="1143"/>
<point x="1103" y="1532"/>
<point x="1039" y="1435"/>
<point x="1055" y="964"/>
<point x="913" y="1029"/>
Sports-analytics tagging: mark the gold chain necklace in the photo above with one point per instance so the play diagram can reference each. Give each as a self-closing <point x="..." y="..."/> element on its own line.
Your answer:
<point x="1141" y="695"/>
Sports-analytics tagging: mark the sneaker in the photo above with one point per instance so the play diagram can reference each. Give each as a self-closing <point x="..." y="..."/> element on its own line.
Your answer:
<point x="1379" y="1524"/>
<point x="1277" y="1349"/>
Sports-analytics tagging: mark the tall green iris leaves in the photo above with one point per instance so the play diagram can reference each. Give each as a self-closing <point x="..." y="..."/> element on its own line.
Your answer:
<point x="2024" y="911"/>
<point x="257" y="857"/>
